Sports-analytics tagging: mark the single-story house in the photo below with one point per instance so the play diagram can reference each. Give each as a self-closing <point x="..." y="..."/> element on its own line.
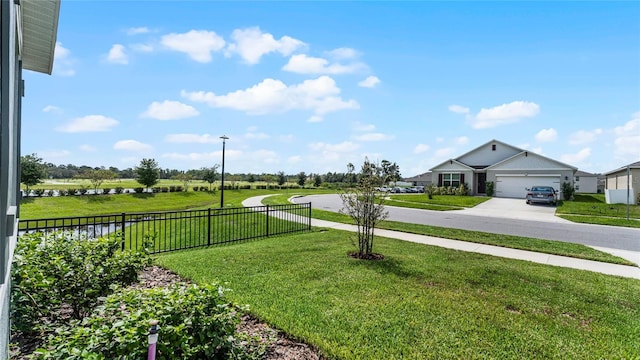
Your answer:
<point x="585" y="182"/>
<point x="28" y="33"/>
<point x="616" y="182"/>
<point x="420" y="180"/>
<point x="511" y="170"/>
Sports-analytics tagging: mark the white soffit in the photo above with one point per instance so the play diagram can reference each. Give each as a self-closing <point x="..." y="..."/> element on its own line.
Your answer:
<point x="39" y="33"/>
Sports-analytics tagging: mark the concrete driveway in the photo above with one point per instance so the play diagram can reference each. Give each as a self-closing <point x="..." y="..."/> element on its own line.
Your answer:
<point x="514" y="209"/>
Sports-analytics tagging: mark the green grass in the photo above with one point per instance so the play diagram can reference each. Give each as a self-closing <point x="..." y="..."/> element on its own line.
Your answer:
<point x="421" y="301"/>
<point x="594" y="205"/>
<point x="598" y="220"/>
<point x="515" y="242"/>
<point x="446" y="200"/>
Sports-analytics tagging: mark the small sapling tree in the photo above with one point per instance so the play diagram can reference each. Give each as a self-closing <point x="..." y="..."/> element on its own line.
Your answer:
<point x="210" y="174"/>
<point x="147" y="173"/>
<point x="97" y="177"/>
<point x="365" y="205"/>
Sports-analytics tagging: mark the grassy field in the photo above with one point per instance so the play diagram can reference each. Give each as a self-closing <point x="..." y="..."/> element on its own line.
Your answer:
<point x="593" y="209"/>
<point x="515" y="242"/>
<point x="444" y="200"/>
<point x="421" y="301"/>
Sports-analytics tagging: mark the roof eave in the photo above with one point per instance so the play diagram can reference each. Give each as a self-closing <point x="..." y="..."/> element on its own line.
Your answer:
<point x="39" y="34"/>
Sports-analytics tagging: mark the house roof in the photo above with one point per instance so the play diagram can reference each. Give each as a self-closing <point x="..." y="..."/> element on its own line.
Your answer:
<point x="452" y="161"/>
<point x="584" y="173"/>
<point x="635" y="165"/>
<point x="534" y="154"/>
<point x="39" y="34"/>
<point x="487" y="143"/>
<point x="422" y="177"/>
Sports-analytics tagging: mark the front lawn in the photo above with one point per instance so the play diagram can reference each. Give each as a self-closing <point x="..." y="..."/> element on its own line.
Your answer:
<point x="444" y="200"/>
<point x="421" y="301"/>
<point x="593" y="209"/>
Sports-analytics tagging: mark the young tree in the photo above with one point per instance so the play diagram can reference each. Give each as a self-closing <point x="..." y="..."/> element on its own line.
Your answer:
<point x="391" y="171"/>
<point x="351" y="177"/>
<point x="97" y="177"/>
<point x="268" y="178"/>
<point x="317" y="180"/>
<point x="302" y="178"/>
<point x="210" y="174"/>
<point x="32" y="171"/>
<point x="148" y="172"/>
<point x="251" y="179"/>
<point x="282" y="178"/>
<point x="365" y="205"/>
<point x="185" y="178"/>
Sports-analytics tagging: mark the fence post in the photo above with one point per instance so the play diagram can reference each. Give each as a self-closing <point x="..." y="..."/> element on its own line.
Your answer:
<point x="209" y="227"/>
<point x="267" y="220"/>
<point x="124" y="236"/>
<point x="309" y="217"/>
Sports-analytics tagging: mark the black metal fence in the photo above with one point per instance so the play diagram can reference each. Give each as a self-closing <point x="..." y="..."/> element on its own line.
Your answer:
<point x="176" y="230"/>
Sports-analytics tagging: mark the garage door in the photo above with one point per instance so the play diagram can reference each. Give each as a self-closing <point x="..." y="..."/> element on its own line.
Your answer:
<point x="516" y="186"/>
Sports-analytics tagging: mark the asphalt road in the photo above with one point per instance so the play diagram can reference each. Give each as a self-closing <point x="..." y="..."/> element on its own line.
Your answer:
<point x="587" y="234"/>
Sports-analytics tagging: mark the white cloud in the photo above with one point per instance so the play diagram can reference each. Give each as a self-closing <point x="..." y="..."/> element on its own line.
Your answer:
<point x="373" y="137"/>
<point x="169" y="110"/>
<point x="137" y="30"/>
<point x="118" y="55"/>
<point x="369" y="82"/>
<point x="48" y="154"/>
<point x="63" y="62"/>
<point x="444" y="152"/>
<point x="439" y="139"/>
<point x="51" y="108"/>
<point x="343" y="147"/>
<point x="420" y="148"/>
<point x="251" y="44"/>
<point x="504" y="114"/>
<point x="584" y="136"/>
<point x="358" y="126"/>
<point x="87" y="148"/>
<point x="547" y="135"/>
<point x="458" y="109"/>
<point x="461" y="140"/>
<point x="343" y="53"/>
<point x="315" y="119"/>
<point x="578" y="157"/>
<point x="198" y="44"/>
<point x="90" y="123"/>
<point x="303" y="64"/>
<point x="286" y="138"/>
<point x="294" y="159"/>
<point x="627" y="141"/>
<point x="204" y="156"/>
<point x="253" y="135"/>
<point x="192" y="138"/>
<point x="132" y="145"/>
<point x="271" y="96"/>
<point x="142" y="47"/>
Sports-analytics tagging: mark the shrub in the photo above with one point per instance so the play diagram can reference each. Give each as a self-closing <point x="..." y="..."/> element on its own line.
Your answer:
<point x="72" y="191"/>
<point x="431" y="190"/>
<point x="155" y="189"/>
<point x="106" y="191"/>
<point x="195" y="188"/>
<point x="83" y="190"/>
<point x="204" y="188"/>
<point x="138" y="190"/>
<point x="179" y="188"/>
<point x="38" y="192"/>
<point x="63" y="192"/>
<point x="195" y="322"/>
<point x="164" y="189"/>
<point x="490" y="189"/>
<point x="172" y="188"/>
<point x="58" y="269"/>
<point x="119" y="190"/>
<point x="568" y="190"/>
<point x="50" y="193"/>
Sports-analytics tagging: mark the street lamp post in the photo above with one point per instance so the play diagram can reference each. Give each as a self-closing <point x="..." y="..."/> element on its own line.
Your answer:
<point x="224" y="138"/>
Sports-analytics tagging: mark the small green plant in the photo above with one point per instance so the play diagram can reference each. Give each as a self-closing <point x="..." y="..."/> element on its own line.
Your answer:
<point x="430" y="190"/>
<point x="138" y="190"/>
<point x="119" y="190"/>
<point x="106" y="191"/>
<point x="568" y="190"/>
<point x="490" y="188"/>
<point x="83" y="190"/>
<point x="39" y="192"/>
<point x="72" y="191"/>
<point x="196" y="322"/>
<point x="62" y="269"/>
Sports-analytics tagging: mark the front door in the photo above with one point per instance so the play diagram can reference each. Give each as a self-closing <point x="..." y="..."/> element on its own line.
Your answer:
<point x="482" y="183"/>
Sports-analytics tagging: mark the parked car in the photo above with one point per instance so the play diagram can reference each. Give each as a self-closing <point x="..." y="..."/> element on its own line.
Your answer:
<point x="398" y="190"/>
<point x="542" y="194"/>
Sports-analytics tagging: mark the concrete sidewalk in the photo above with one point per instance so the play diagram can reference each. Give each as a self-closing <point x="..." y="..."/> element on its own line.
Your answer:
<point x="541" y="258"/>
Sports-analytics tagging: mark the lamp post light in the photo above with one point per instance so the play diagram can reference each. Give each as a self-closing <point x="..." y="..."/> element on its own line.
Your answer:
<point x="224" y="138"/>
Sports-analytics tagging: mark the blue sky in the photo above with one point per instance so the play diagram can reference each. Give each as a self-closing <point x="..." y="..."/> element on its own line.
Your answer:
<point x="312" y="86"/>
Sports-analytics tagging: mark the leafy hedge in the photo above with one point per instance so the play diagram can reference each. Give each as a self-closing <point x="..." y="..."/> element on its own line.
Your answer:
<point x="63" y="271"/>
<point x="195" y="322"/>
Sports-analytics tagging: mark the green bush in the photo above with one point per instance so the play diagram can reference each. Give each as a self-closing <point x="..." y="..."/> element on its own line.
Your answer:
<point x="63" y="192"/>
<point x="138" y="190"/>
<point x="39" y="192"/>
<point x="106" y="191"/>
<point x="119" y="189"/>
<point x="64" y="270"/>
<point x="490" y="188"/>
<point x="72" y="191"/>
<point x="155" y="189"/>
<point x="195" y="322"/>
<point x="568" y="190"/>
<point x="83" y="190"/>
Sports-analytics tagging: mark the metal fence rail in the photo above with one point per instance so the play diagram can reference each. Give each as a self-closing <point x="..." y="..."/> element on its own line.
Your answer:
<point x="176" y="230"/>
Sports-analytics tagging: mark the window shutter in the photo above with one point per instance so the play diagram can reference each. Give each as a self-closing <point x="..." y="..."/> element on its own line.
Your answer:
<point x="439" y="179"/>
<point x="461" y="178"/>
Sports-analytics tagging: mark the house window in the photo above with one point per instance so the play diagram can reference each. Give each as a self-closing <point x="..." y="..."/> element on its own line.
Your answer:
<point x="577" y="178"/>
<point x="451" y="180"/>
<point x="493" y="147"/>
<point x="577" y="187"/>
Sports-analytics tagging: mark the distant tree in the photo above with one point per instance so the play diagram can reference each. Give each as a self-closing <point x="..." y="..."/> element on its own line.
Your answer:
<point x="251" y="178"/>
<point x="185" y="178"/>
<point x="351" y="176"/>
<point x="317" y="180"/>
<point x="390" y="171"/>
<point x="302" y="178"/>
<point x="365" y="205"/>
<point x="210" y="174"/>
<point x="268" y="178"/>
<point x="97" y="177"/>
<point x="147" y="173"/>
<point x="32" y="170"/>
<point x="282" y="178"/>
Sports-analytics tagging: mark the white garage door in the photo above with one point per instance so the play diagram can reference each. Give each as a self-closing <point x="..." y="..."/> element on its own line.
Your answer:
<point x="516" y="186"/>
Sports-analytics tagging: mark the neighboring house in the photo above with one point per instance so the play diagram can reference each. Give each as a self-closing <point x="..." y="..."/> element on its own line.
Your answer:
<point x="420" y="180"/>
<point x="585" y="182"/>
<point x="511" y="169"/>
<point x="28" y="31"/>
<point x="616" y="182"/>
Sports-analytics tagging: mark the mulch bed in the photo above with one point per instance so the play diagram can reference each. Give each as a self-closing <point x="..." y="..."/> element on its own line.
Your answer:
<point x="280" y="346"/>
